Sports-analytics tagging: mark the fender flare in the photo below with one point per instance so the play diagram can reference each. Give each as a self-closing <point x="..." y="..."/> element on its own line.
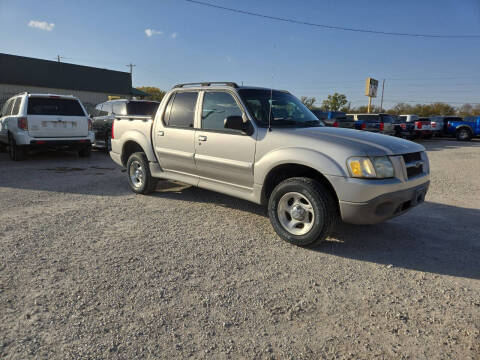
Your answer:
<point x="139" y="138"/>
<point x="464" y="126"/>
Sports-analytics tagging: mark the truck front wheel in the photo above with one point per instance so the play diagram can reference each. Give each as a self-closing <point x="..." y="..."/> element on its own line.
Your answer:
<point x="139" y="176"/>
<point x="302" y="211"/>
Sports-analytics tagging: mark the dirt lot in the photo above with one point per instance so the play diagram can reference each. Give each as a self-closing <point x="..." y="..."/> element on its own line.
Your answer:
<point x="90" y="270"/>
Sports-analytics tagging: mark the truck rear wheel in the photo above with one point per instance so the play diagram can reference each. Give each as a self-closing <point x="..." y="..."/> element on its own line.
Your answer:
<point x="464" y="134"/>
<point x="302" y="211"/>
<point x="139" y="176"/>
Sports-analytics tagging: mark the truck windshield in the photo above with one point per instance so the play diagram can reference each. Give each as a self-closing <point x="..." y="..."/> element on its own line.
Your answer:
<point x="142" y="108"/>
<point x="284" y="109"/>
<point x="54" y="106"/>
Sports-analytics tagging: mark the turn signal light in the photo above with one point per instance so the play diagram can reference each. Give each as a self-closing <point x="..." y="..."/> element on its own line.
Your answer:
<point x="111" y="132"/>
<point x="89" y="124"/>
<point x="23" y="123"/>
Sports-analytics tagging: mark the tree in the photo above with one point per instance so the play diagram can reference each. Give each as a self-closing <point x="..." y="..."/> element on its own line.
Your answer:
<point x="334" y="102"/>
<point x="155" y="93"/>
<point x="465" y="110"/>
<point x="308" y="101"/>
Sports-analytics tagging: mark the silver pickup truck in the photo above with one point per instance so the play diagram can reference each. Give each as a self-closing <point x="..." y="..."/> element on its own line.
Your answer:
<point x="265" y="146"/>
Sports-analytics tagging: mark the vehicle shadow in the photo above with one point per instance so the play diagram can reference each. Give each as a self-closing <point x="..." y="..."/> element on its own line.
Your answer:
<point x="433" y="237"/>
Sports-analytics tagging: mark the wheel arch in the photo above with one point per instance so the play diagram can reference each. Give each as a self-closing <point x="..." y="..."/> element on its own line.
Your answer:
<point x="285" y="171"/>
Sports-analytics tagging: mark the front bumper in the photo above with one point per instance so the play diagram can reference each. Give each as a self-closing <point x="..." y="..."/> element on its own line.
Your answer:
<point x="383" y="207"/>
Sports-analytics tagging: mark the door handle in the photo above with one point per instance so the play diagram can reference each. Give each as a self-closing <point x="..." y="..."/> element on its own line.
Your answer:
<point x="202" y="138"/>
<point x="160" y="133"/>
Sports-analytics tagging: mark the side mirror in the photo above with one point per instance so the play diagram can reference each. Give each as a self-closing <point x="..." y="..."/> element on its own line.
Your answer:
<point x="235" y="123"/>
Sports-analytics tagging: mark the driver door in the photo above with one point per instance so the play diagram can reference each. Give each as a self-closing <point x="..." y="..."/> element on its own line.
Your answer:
<point x="223" y="156"/>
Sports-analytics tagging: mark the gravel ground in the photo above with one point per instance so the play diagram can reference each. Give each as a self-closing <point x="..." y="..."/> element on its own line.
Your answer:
<point x="90" y="270"/>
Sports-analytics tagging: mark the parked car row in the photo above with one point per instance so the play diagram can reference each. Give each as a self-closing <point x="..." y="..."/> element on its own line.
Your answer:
<point x="35" y="121"/>
<point x="406" y="126"/>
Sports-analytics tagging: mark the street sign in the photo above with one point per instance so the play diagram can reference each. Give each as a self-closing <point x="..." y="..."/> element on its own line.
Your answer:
<point x="371" y="88"/>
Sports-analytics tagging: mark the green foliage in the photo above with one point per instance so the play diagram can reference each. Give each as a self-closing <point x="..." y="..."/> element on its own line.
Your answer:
<point x="308" y="101"/>
<point x="334" y="102"/>
<point x="155" y="93"/>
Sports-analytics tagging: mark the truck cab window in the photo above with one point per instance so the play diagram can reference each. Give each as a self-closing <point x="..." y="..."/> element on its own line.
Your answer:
<point x="183" y="110"/>
<point x="217" y="106"/>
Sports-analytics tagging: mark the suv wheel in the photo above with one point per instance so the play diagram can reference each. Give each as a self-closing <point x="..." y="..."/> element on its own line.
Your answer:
<point x="464" y="135"/>
<point x="16" y="152"/>
<point x="302" y="211"/>
<point x="139" y="177"/>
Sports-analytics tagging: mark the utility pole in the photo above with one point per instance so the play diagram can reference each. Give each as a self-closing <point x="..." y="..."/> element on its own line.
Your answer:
<point x="131" y="67"/>
<point x="383" y="88"/>
<point x="59" y="57"/>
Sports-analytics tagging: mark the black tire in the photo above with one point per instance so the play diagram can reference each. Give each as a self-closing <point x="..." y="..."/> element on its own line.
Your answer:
<point x="108" y="142"/>
<point x="15" y="152"/>
<point x="322" y="202"/>
<point x="148" y="184"/>
<point x="85" y="152"/>
<point x="463" y="134"/>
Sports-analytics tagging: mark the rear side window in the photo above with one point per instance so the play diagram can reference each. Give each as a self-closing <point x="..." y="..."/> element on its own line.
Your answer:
<point x="217" y="106"/>
<point x="119" y="108"/>
<point x="146" y="108"/>
<point x="54" y="106"/>
<point x="16" y="106"/>
<point x="8" y="110"/>
<point x="183" y="110"/>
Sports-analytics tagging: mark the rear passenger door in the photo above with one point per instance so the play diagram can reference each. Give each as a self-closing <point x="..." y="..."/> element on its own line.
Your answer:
<point x="174" y="136"/>
<point x="223" y="156"/>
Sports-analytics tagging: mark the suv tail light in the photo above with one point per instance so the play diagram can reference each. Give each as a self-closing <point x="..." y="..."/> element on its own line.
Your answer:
<point x="382" y="126"/>
<point x="22" y="123"/>
<point x="111" y="132"/>
<point x="335" y="124"/>
<point x="363" y="126"/>
<point x="434" y="124"/>
<point x="418" y="124"/>
<point x="90" y="125"/>
<point x="403" y="126"/>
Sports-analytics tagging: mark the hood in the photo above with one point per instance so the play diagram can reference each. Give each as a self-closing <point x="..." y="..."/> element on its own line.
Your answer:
<point x="358" y="141"/>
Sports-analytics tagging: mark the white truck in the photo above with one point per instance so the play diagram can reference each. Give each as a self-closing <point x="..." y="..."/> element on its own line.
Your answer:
<point x="29" y="121"/>
<point x="265" y="146"/>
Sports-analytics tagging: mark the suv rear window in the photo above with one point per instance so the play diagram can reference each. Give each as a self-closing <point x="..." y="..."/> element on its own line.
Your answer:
<point x="388" y="119"/>
<point x="53" y="106"/>
<point x="142" y="108"/>
<point x="369" y="118"/>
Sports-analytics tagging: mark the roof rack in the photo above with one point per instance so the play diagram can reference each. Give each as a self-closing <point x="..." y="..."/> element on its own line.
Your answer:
<point x="210" y="83"/>
<point x="21" y="93"/>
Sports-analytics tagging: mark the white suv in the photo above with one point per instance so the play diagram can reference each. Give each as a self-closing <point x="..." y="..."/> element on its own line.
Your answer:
<point x="45" y="120"/>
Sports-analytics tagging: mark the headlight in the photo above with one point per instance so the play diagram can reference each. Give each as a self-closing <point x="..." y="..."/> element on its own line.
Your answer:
<point x="383" y="166"/>
<point x="363" y="167"/>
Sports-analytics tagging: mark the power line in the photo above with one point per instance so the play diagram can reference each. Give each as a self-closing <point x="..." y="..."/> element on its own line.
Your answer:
<point x="331" y="27"/>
